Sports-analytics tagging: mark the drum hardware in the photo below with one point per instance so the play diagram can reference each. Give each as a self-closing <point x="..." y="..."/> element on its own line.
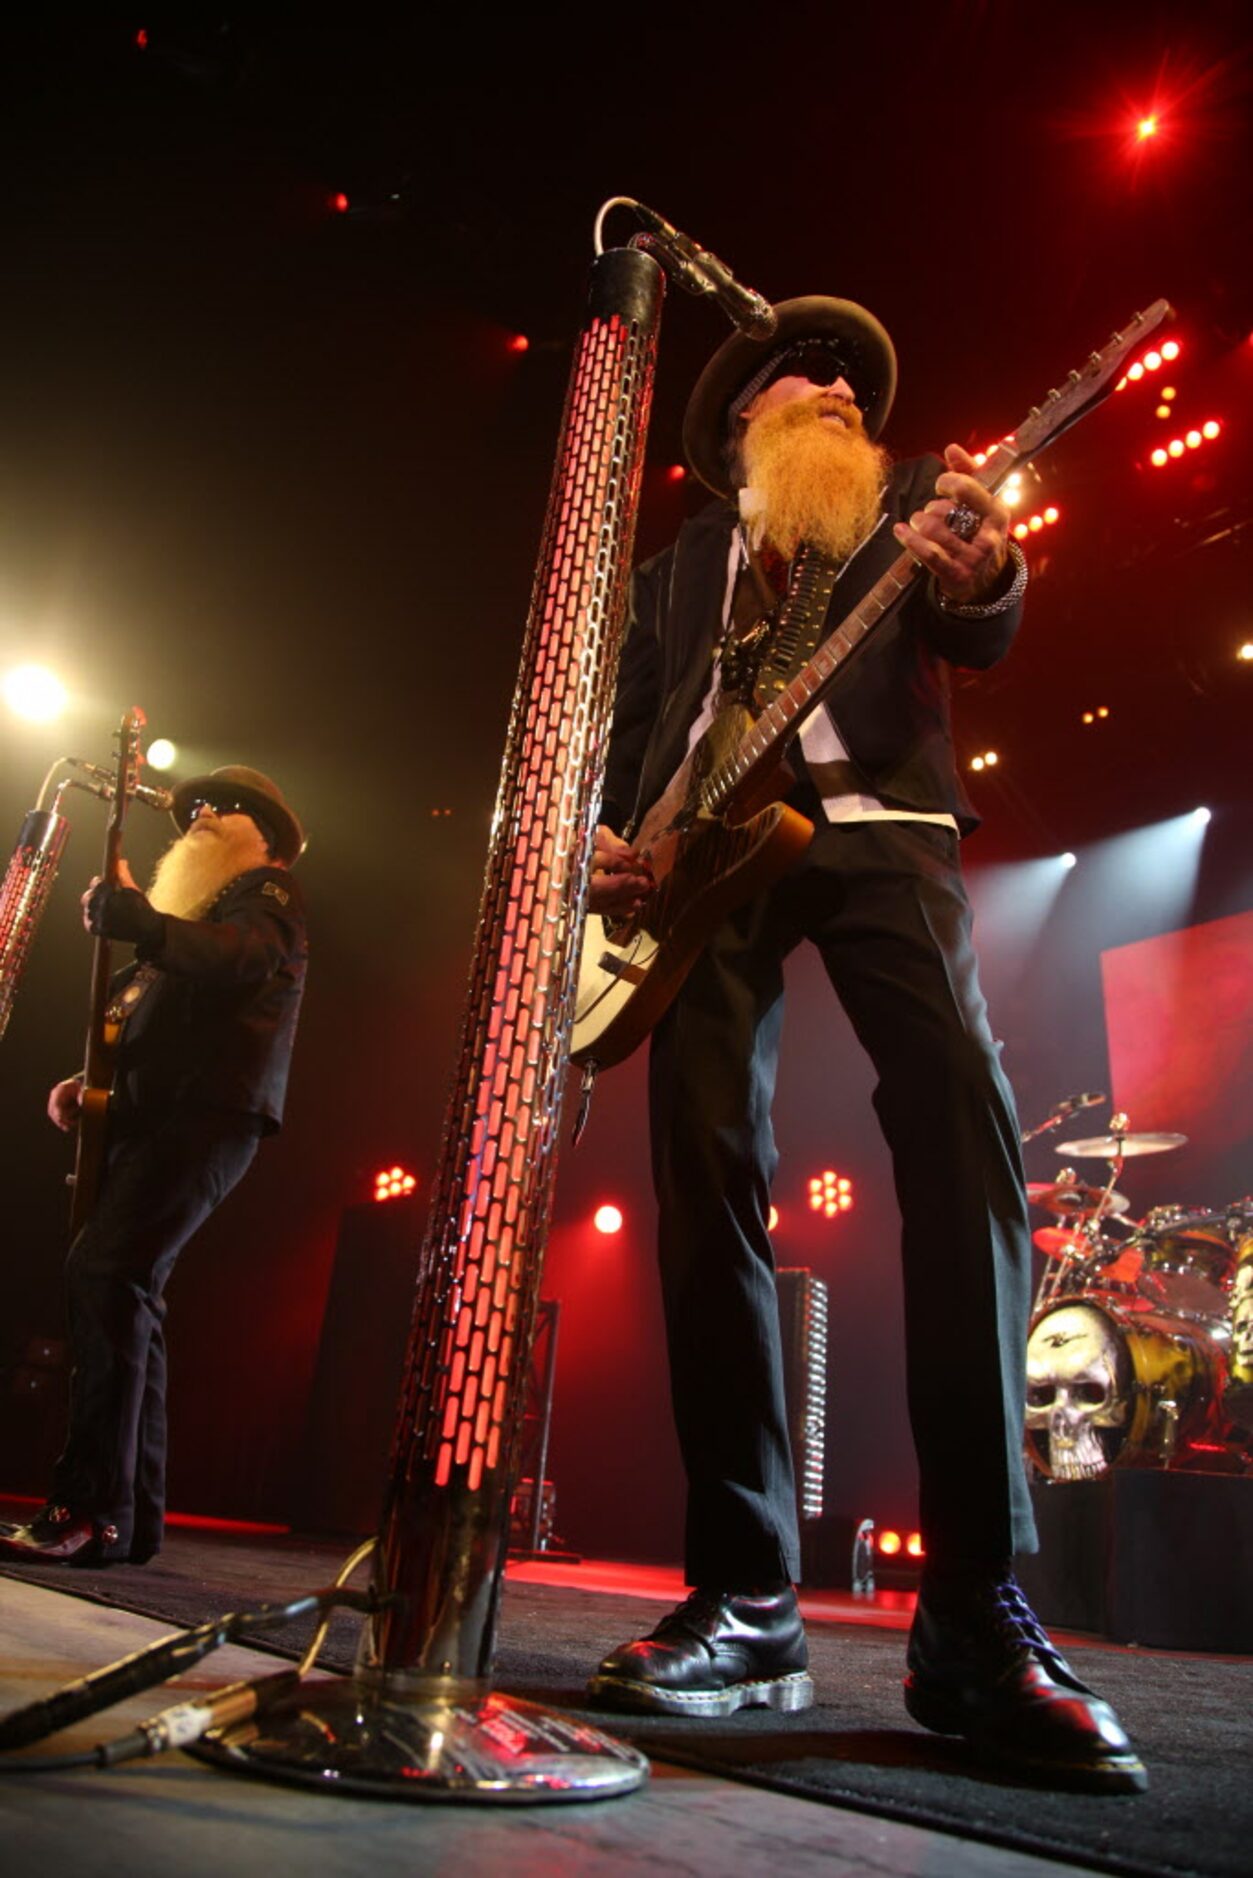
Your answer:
<point x="1066" y="1108"/>
<point x="1119" y="1144"/>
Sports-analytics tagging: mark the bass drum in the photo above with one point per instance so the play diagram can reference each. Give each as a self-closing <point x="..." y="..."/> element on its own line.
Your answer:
<point x="1111" y="1383"/>
<point x="1238" y="1395"/>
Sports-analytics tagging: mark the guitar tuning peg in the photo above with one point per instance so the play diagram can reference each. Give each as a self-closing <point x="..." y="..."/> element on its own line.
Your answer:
<point x="1054" y="395"/>
<point x="1073" y="377"/>
<point x="1094" y="358"/>
<point x="1115" y="338"/>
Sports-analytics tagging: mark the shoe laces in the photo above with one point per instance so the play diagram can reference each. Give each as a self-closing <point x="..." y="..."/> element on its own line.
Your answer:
<point x="1015" y="1621"/>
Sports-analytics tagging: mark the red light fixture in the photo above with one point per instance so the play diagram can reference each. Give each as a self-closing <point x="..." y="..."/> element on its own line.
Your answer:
<point x="607" y="1219"/>
<point x="773" y="1219"/>
<point x="1191" y="440"/>
<point x="676" y="473"/>
<point x="518" y="342"/>
<point x="830" y="1193"/>
<point x="141" y="39"/>
<point x="393" y="1183"/>
<point x="889" y="1543"/>
<point x="340" y="203"/>
<point x="914" y="1546"/>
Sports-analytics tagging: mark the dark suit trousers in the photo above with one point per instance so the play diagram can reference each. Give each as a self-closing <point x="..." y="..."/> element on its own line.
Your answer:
<point x="885" y="904"/>
<point x="162" y="1180"/>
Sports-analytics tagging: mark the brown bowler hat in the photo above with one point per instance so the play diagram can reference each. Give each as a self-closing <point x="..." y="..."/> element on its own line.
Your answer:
<point x="741" y="365"/>
<point x="256" y="793"/>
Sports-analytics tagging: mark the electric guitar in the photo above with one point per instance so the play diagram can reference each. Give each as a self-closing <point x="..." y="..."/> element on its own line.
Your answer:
<point x="102" y="1036"/>
<point x="718" y="834"/>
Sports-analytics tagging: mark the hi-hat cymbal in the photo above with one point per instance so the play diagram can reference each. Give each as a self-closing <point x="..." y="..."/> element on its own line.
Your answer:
<point x="1073" y="1197"/>
<point x="1107" y="1147"/>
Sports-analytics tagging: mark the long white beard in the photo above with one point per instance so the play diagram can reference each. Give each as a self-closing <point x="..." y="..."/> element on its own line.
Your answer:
<point x="194" y="869"/>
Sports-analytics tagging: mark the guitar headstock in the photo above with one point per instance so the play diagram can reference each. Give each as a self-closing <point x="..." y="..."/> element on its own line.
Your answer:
<point x="1075" y="396"/>
<point x="129" y="756"/>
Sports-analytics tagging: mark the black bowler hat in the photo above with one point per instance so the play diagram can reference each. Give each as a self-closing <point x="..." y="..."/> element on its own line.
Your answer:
<point x="256" y="795"/>
<point x="741" y="366"/>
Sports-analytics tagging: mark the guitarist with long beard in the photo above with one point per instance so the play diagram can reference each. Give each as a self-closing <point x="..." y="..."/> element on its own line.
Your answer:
<point x="208" y="1016"/>
<point x="784" y="432"/>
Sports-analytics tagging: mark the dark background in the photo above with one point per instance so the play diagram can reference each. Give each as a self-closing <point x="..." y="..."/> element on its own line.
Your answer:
<point x="273" y="473"/>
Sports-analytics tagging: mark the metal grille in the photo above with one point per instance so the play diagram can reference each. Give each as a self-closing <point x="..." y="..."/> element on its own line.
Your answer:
<point x="27" y="886"/>
<point x="463" y="1396"/>
<point x="803" y="1321"/>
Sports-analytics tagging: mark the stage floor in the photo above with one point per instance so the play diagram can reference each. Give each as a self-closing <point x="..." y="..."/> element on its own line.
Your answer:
<point x="176" y="1815"/>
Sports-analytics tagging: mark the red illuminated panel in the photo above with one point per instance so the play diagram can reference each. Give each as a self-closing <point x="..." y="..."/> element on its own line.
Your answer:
<point x="1179" y="1016"/>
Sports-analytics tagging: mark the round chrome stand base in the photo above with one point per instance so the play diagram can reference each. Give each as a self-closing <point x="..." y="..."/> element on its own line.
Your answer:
<point x="347" y="1739"/>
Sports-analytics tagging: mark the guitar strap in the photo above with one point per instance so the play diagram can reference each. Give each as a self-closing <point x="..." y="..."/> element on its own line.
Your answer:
<point x="799" y="624"/>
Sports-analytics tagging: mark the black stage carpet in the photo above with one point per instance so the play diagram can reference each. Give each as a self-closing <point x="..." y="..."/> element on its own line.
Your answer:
<point x="1188" y="1714"/>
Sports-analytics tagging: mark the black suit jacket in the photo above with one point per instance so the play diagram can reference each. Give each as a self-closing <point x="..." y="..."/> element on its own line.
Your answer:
<point x="215" y="1028"/>
<point x="890" y="705"/>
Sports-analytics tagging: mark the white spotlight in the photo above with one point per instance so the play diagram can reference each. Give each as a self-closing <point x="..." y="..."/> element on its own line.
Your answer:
<point x="33" y="692"/>
<point x="1201" y="815"/>
<point x="162" y="754"/>
<point x="1068" y="859"/>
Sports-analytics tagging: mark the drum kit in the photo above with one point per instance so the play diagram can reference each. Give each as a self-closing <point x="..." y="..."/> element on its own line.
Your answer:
<point x="1140" y="1352"/>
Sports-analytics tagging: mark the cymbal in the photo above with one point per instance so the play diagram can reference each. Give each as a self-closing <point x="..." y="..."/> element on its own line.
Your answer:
<point x="1106" y="1147"/>
<point x="1060" y="1244"/>
<point x="1073" y="1197"/>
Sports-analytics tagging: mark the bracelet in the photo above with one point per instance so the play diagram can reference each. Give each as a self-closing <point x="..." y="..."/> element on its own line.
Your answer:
<point x="988" y="609"/>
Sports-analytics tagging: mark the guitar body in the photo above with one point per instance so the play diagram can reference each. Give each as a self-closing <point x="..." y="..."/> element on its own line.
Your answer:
<point x="93" y="1120"/>
<point x="704" y="866"/>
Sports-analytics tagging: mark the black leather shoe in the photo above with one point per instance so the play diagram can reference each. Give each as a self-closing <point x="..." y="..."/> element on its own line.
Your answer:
<point x="981" y="1666"/>
<point x="58" y="1536"/>
<point x="718" y="1652"/>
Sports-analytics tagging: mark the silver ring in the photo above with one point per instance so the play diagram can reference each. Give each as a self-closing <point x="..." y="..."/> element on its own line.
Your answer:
<point x="963" y="522"/>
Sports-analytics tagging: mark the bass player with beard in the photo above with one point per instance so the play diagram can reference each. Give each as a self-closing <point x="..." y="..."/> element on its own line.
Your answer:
<point x="784" y="432"/>
<point x="208" y="1016"/>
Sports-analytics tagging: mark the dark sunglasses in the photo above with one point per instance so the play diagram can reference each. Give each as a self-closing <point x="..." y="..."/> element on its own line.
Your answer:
<point x="221" y="805"/>
<point x="815" y="359"/>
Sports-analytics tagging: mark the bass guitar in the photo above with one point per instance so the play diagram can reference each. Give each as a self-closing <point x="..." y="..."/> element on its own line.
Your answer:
<point x="719" y="833"/>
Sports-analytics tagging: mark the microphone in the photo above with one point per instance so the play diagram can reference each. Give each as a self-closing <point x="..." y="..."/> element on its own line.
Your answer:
<point x="1072" y="1103"/>
<point x="104" y="784"/>
<point x="698" y="271"/>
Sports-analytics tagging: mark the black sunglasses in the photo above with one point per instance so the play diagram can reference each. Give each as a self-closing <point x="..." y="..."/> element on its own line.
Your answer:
<point x="815" y="359"/>
<point x="221" y="805"/>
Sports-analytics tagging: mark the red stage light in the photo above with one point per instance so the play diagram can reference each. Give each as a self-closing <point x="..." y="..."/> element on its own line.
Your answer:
<point x="1170" y="351"/>
<point x="393" y="1183"/>
<point x="676" y="473"/>
<point x="1211" y="428"/>
<point x="1158" y="458"/>
<point x="1052" y="515"/>
<point x="141" y="39"/>
<point x="889" y="1543"/>
<point x="773" y="1220"/>
<point x="607" y="1219"/>
<point x="1146" y="127"/>
<point x="914" y="1545"/>
<point x="1135" y="371"/>
<point x="519" y="343"/>
<point x="830" y="1193"/>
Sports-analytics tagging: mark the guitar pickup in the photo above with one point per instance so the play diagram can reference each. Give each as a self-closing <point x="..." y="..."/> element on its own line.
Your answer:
<point x="622" y="968"/>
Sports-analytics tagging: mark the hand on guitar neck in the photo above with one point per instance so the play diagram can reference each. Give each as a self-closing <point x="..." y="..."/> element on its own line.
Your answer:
<point x="124" y="879"/>
<point x="65" y="1104"/>
<point x="621" y="877"/>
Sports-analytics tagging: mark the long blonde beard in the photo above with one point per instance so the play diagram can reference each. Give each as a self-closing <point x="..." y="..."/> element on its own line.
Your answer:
<point x="194" y="869"/>
<point x="810" y="479"/>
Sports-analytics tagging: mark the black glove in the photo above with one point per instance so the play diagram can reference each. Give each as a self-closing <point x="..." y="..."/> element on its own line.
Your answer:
<point x="125" y="913"/>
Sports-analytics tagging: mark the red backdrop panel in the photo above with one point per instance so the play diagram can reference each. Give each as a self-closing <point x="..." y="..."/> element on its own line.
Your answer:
<point x="1179" y="1017"/>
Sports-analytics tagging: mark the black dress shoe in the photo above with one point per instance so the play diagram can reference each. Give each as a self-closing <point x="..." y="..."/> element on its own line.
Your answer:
<point x="718" y="1652"/>
<point x="981" y="1666"/>
<point x="56" y="1535"/>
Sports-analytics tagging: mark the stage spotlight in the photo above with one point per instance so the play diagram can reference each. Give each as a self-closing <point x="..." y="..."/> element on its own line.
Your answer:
<point x="1201" y="816"/>
<point x="830" y="1193"/>
<point x="340" y="203"/>
<point x="889" y="1543"/>
<point x="914" y="1545"/>
<point x="393" y="1183"/>
<point x="1210" y="428"/>
<point x="35" y="693"/>
<point x="518" y="342"/>
<point x="1170" y="351"/>
<point x="1159" y="459"/>
<point x="1246" y="652"/>
<point x="607" y="1219"/>
<point x="676" y="473"/>
<point x="1068" y="859"/>
<point x="1152" y="361"/>
<point x="773" y="1220"/>
<point x="1145" y="128"/>
<point x="1135" y="371"/>
<point x="161" y="754"/>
